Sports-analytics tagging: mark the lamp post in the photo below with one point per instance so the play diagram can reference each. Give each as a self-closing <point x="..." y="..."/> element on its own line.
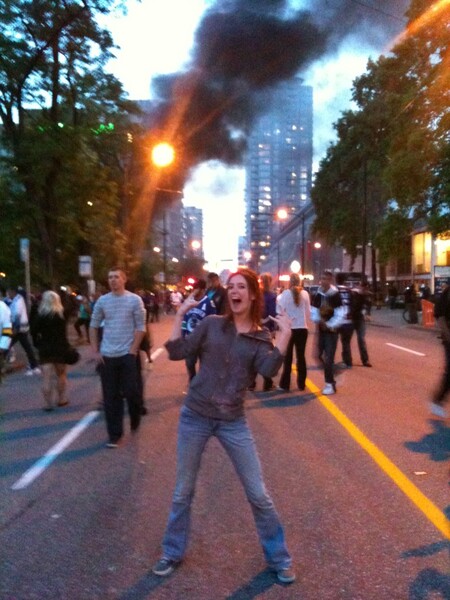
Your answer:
<point x="281" y="215"/>
<point x="162" y="156"/>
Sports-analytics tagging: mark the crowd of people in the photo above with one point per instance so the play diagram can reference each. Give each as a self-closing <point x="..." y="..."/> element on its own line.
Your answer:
<point x="227" y="336"/>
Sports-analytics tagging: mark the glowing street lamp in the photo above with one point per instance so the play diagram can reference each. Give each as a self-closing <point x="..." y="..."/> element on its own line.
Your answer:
<point x="163" y="155"/>
<point x="281" y="215"/>
<point x="295" y="266"/>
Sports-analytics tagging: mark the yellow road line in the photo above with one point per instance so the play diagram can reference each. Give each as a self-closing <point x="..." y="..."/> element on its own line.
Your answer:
<point x="430" y="510"/>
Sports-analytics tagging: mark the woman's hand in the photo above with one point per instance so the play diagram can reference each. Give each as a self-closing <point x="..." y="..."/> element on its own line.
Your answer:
<point x="189" y="302"/>
<point x="283" y="322"/>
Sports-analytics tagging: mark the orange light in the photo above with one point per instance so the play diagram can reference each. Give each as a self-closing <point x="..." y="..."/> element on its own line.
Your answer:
<point x="163" y="154"/>
<point x="282" y="214"/>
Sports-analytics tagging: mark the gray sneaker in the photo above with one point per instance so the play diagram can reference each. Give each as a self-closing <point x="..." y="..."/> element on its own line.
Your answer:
<point x="165" y="567"/>
<point x="286" y="575"/>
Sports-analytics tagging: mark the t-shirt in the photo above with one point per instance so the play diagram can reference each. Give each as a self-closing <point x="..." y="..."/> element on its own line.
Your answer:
<point x="123" y="314"/>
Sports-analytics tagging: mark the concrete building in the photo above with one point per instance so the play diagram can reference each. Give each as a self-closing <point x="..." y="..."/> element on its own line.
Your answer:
<point x="278" y="168"/>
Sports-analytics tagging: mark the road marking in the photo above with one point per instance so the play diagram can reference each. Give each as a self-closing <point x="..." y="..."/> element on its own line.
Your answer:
<point x="405" y="349"/>
<point x="44" y="462"/>
<point x="430" y="510"/>
<point x="40" y="466"/>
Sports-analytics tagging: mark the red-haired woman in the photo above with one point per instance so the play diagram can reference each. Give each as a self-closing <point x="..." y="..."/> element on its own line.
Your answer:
<point x="232" y="348"/>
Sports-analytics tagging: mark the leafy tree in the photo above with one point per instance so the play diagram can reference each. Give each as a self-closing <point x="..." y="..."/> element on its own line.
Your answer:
<point x="390" y="164"/>
<point x="59" y="182"/>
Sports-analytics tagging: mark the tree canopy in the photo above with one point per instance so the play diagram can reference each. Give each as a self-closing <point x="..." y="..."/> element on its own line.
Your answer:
<point x="66" y="136"/>
<point x="389" y="167"/>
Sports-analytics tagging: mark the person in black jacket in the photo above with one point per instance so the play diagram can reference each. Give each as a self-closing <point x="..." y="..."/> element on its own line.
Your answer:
<point x="49" y="333"/>
<point x="442" y="316"/>
<point x="328" y="312"/>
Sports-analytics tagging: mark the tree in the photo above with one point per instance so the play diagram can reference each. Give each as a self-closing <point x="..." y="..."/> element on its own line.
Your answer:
<point x="398" y="138"/>
<point x="54" y="95"/>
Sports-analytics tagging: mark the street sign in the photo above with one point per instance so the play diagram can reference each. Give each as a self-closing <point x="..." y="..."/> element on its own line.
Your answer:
<point x="24" y="249"/>
<point x="85" y="266"/>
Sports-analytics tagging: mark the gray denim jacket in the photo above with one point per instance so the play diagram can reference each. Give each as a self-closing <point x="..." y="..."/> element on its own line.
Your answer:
<point x="228" y="363"/>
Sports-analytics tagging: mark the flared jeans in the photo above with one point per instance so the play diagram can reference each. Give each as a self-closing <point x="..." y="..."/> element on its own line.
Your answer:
<point x="194" y="432"/>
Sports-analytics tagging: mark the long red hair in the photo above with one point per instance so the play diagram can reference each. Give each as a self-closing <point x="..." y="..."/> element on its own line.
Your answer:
<point x="254" y="290"/>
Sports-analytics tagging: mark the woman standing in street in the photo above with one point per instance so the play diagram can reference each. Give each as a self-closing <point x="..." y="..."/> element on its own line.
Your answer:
<point x="49" y="332"/>
<point x="232" y="348"/>
<point x="295" y="302"/>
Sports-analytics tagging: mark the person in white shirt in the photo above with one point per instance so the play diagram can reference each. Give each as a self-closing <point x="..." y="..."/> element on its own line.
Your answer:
<point x="21" y="329"/>
<point x="295" y="302"/>
<point x="5" y="331"/>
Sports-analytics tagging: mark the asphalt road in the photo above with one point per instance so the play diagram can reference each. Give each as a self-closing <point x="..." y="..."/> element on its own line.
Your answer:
<point x="360" y="479"/>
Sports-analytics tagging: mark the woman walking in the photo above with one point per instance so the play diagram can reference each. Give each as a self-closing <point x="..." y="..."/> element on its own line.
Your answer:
<point x="49" y="332"/>
<point x="232" y="348"/>
<point x="295" y="302"/>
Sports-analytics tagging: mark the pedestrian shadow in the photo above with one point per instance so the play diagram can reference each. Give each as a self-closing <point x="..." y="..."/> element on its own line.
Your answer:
<point x="141" y="589"/>
<point x="436" y="444"/>
<point x="258" y="585"/>
<point x="280" y="400"/>
<point x="38" y="431"/>
<point x="429" y="580"/>
<point x="17" y="467"/>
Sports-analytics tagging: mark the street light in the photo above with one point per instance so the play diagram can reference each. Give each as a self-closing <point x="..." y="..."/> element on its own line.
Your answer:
<point x="281" y="215"/>
<point x="163" y="155"/>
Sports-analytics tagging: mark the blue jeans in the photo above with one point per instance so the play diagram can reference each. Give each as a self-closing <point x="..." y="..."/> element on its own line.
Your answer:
<point x="194" y="432"/>
<point x="327" y="349"/>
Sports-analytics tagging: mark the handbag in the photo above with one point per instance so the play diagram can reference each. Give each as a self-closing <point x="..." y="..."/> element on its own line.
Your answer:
<point x="71" y="356"/>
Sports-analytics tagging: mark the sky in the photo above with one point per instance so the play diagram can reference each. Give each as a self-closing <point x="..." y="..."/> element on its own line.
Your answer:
<point x="156" y="37"/>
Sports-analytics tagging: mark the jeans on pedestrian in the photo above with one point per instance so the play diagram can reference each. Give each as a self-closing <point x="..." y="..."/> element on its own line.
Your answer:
<point x="194" y="432"/>
<point x="327" y="349"/>
<point x="119" y="380"/>
<point x="444" y="386"/>
<point x="297" y="341"/>
<point x="346" y="333"/>
<point x="23" y="338"/>
<point x="360" y="328"/>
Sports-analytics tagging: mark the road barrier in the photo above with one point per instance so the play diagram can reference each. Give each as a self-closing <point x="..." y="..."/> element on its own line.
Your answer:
<point x="427" y="313"/>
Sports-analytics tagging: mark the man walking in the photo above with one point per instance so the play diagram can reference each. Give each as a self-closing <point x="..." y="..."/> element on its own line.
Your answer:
<point x="442" y="315"/>
<point x="328" y="312"/>
<point x="122" y="315"/>
<point x="21" y="329"/>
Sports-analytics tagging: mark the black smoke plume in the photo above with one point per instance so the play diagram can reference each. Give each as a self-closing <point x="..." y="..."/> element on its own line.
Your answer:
<point x="242" y="49"/>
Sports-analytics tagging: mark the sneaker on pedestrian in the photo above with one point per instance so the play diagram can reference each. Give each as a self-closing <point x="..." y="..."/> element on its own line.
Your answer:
<point x="286" y="575"/>
<point x="165" y="567"/>
<point x="367" y="364"/>
<point x="329" y="389"/>
<point x="37" y="371"/>
<point x="29" y="372"/>
<point x="113" y="443"/>
<point x="438" y="410"/>
<point x="282" y="389"/>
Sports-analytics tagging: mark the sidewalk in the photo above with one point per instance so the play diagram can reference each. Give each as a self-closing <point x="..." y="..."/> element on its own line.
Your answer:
<point x="386" y="317"/>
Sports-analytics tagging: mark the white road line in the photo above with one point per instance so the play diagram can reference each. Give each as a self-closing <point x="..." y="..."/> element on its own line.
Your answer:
<point x="44" y="462"/>
<point x="405" y="349"/>
<point x="40" y="466"/>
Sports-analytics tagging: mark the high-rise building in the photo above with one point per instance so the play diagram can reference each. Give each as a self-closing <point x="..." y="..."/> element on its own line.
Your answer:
<point x="193" y="220"/>
<point x="278" y="166"/>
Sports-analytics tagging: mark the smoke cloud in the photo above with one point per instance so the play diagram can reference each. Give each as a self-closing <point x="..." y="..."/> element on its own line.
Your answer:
<point x="242" y="49"/>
